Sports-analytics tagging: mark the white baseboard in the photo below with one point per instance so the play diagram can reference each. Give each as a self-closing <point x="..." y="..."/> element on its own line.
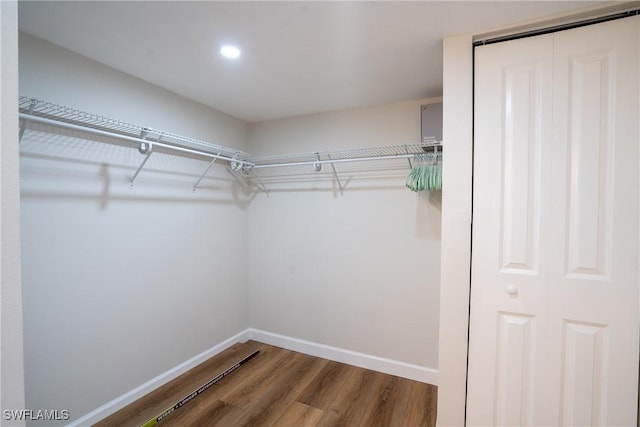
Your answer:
<point x="393" y="367"/>
<point x="133" y="395"/>
<point x="387" y="366"/>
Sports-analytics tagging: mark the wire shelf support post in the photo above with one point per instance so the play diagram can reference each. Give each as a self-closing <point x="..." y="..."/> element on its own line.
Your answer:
<point x="143" y="148"/>
<point x="23" y="127"/>
<point x="335" y="174"/>
<point x="205" y="172"/>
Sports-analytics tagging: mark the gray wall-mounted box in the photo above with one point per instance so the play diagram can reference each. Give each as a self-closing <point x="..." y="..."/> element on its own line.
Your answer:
<point x="431" y="123"/>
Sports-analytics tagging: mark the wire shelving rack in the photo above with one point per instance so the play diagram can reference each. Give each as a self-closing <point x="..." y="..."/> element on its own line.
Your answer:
<point x="252" y="169"/>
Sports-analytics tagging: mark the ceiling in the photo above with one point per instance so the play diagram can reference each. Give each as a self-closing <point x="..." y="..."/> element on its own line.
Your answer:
<point x="297" y="57"/>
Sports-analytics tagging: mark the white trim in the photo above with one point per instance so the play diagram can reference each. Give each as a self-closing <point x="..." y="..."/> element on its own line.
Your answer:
<point x="375" y="363"/>
<point x="135" y="394"/>
<point x="455" y="239"/>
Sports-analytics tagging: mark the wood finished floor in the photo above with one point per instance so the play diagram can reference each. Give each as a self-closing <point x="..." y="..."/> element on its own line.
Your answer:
<point x="279" y="387"/>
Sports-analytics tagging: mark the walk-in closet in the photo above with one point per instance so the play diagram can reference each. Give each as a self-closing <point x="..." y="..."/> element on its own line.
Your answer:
<point x="320" y="213"/>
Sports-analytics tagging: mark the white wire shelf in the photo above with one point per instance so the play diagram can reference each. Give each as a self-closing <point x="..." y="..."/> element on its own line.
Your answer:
<point x="252" y="169"/>
<point x="46" y="112"/>
<point x="351" y="155"/>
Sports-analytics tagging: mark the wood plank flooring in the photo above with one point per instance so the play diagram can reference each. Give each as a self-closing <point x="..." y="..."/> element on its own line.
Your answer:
<point x="279" y="387"/>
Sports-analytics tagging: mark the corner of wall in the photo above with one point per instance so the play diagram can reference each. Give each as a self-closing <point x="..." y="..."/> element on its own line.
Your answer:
<point x="11" y="353"/>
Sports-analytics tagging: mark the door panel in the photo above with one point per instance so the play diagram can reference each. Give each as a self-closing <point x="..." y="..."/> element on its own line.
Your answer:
<point x="520" y="152"/>
<point x="554" y="294"/>
<point x="588" y="248"/>
<point x="515" y="373"/>
<point x="512" y="124"/>
<point x="584" y="370"/>
<point x="594" y="280"/>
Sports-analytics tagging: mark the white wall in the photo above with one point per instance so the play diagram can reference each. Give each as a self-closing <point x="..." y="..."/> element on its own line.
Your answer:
<point x="122" y="284"/>
<point x="358" y="272"/>
<point x="11" y="344"/>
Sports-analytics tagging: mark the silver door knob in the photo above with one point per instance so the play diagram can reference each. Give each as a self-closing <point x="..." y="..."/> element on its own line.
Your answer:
<point x="511" y="290"/>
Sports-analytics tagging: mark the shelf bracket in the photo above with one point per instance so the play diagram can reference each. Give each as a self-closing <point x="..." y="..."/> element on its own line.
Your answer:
<point x="317" y="166"/>
<point x="143" y="148"/>
<point x="245" y="171"/>
<point x="23" y="127"/>
<point x="135" y="175"/>
<point x="261" y="186"/>
<point x="408" y="158"/>
<point x="205" y="171"/>
<point x="335" y="174"/>
<point x="234" y="175"/>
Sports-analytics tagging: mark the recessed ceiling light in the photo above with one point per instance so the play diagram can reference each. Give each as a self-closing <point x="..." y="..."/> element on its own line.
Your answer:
<point x="230" y="52"/>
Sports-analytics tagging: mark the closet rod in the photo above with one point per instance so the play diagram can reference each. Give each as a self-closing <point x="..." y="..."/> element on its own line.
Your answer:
<point x="38" y="119"/>
<point x="345" y="160"/>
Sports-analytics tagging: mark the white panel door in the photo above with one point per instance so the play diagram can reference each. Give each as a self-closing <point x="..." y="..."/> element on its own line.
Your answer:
<point x="509" y="266"/>
<point x="554" y="294"/>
